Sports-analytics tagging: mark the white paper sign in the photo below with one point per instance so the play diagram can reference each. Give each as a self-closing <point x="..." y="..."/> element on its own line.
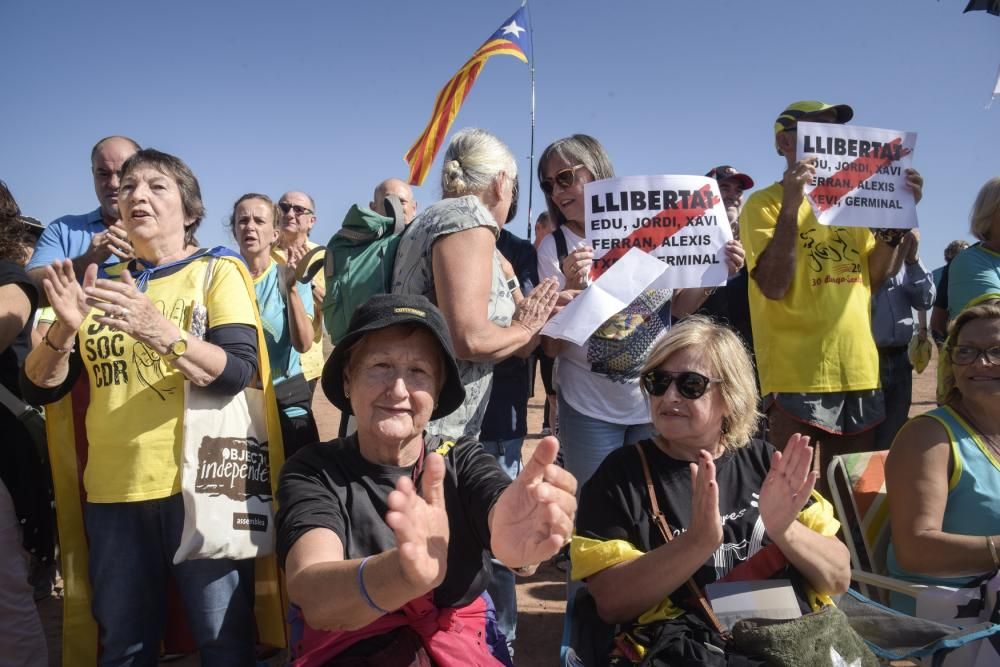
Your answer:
<point x="609" y="294"/>
<point x="680" y="220"/>
<point x="860" y="175"/>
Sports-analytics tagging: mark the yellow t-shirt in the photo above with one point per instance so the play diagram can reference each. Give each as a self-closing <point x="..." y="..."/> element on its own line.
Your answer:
<point x="818" y="337"/>
<point x="135" y="415"/>
<point x="312" y="361"/>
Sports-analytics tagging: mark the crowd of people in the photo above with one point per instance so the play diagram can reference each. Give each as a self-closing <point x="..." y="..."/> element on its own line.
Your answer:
<point x="685" y="440"/>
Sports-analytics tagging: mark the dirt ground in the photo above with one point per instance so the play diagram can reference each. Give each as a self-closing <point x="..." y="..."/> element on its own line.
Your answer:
<point x="540" y="598"/>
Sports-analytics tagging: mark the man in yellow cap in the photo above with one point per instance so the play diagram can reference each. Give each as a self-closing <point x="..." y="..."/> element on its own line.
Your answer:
<point x="810" y="296"/>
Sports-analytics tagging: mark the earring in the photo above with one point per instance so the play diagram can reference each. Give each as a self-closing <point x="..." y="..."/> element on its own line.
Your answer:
<point x="726" y="425"/>
<point x="347" y="394"/>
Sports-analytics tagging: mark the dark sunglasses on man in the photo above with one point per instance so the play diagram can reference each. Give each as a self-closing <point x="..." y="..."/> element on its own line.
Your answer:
<point x="299" y="210"/>
<point x="689" y="384"/>
<point x="565" y="178"/>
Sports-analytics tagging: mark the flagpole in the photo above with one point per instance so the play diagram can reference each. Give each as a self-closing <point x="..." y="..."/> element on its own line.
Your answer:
<point x="531" y="150"/>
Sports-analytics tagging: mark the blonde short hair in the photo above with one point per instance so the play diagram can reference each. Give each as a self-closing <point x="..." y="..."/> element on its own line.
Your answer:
<point x="986" y="310"/>
<point x="985" y="210"/>
<point x="472" y="162"/>
<point x="729" y="358"/>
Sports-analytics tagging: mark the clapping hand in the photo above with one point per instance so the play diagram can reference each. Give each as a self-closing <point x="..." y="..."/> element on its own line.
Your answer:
<point x="533" y="518"/>
<point x="787" y="486"/>
<point x="533" y="311"/>
<point x="65" y="294"/>
<point x="706" y="526"/>
<point x="420" y="522"/>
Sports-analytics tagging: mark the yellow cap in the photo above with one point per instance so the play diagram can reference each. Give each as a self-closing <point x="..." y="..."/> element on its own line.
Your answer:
<point x="801" y="110"/>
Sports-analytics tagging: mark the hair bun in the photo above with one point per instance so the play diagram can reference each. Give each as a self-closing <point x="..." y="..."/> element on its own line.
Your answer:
<point x="454" y="174"/>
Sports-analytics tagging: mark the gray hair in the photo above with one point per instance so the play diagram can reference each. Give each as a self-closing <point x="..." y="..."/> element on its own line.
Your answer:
<point x="472" y="161"/>
<point x="985" y="210"/>
<point x="187" y="184"/>
<point x="577" y="149"/>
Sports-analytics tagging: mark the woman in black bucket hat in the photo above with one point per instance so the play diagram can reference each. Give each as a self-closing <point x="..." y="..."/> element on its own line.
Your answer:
<point x="386" y="535"/>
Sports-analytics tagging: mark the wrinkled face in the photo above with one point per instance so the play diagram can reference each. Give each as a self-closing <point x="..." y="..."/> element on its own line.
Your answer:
<point x="980" y="379"/>
<point x="106" y="169"/>
<point x="393" y="381"/>
<point x="568" y="199"/>
<point x="293" y="222"/>
<point x="253" y="226"/>
<point x="684" y="421"/>
<point x="151" y="206"/>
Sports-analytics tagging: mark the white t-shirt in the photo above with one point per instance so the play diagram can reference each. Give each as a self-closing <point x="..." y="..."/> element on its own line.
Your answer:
<point x="601" y="378"/>
<point x="548" y="257"/>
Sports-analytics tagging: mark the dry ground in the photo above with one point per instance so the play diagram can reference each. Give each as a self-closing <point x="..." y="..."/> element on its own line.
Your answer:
<point x="541" y="598"/>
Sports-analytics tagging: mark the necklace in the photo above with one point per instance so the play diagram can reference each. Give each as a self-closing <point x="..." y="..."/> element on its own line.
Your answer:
<point x="991" y="441"/>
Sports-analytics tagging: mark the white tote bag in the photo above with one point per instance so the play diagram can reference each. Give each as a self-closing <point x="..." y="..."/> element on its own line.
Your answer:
<point x="225" y="473"/>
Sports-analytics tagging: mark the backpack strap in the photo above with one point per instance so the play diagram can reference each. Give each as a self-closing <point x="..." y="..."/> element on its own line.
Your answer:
<point x="394" y="209"/>
<point x="310" y="264"/>
<point x="668" y="535"/>
<point x="561" y="249"/>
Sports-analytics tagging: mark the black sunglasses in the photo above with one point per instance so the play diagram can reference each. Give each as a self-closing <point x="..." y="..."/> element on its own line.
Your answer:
<point x="690" y="385"/>
<point x="564" y="177"/>
<point x="299" y="210"/>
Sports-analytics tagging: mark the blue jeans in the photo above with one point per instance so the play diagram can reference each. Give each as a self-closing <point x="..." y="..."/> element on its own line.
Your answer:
<point x="502" y="587"/>
<point x="132" y="546"/>
<point x="586" y="441"/>
<point x="507" y="453"/>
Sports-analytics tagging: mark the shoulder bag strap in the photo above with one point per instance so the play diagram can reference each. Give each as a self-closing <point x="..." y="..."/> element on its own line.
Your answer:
<point x="561" y="250"/>
<point x="668" y="535"/>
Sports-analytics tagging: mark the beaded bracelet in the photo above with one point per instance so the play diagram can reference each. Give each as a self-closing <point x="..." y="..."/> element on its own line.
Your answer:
<point x="364" y="591"/>
<point x="60" y="350"/>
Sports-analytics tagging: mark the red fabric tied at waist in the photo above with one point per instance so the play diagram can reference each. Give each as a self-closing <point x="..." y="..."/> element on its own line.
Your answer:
<point x="453" y="636"/>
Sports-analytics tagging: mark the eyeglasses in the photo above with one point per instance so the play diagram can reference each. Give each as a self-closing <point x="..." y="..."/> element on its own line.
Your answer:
<point x="690" y="385"/>
<point x="299" y="210"/>
<point x="963" y="355"/>
<point x="565" y="178"/>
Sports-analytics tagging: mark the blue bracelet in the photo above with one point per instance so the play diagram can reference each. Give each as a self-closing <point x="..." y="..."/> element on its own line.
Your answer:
<point x="364" y="591"/>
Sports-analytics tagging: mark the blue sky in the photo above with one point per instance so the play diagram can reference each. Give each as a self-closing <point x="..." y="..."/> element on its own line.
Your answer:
<point x="327" y="97"/>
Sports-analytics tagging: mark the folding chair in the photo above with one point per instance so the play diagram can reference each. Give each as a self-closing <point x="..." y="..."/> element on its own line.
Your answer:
<point x="866" y="526"/>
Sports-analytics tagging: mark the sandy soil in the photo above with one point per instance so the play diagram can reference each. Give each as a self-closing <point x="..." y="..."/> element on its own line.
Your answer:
<point x="541" y="598"/>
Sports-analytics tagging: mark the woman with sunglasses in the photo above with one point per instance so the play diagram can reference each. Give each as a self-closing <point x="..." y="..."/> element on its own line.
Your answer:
<point x="730" y="501"/>
<point x="600" y="404"/>
<point x="943" y="471"/>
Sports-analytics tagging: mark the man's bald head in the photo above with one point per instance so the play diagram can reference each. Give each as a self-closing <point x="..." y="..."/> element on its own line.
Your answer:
<point x="106" y="160"/>
<point x="394" y="186"/>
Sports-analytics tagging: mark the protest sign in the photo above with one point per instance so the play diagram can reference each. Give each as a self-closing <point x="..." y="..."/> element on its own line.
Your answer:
<point x="860" y="175"/>
<point x="680" y="220"/>
<point x="611" y="293"/>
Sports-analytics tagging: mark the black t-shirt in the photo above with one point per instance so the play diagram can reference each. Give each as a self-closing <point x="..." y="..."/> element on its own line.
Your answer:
<point x="730" y="305"/>
<point x="330" y="485"/>
<point x="12" y="358"/>
<point x="614" y="504"/>
<point x="22" y="469"/>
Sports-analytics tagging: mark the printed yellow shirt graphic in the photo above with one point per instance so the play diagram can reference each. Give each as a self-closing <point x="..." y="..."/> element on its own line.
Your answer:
<point x="135" y="417"/>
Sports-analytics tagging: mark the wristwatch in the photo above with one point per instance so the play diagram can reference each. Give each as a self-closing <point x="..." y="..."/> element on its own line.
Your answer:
<point x="177" y="348"/>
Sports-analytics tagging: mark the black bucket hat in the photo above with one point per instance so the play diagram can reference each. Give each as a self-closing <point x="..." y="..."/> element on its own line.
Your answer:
<point x="386" y="310"/>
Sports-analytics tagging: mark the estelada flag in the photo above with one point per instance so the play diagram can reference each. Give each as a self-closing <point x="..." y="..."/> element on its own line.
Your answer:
<point x="68" y="448"/>
<point x="511" y="39"/>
